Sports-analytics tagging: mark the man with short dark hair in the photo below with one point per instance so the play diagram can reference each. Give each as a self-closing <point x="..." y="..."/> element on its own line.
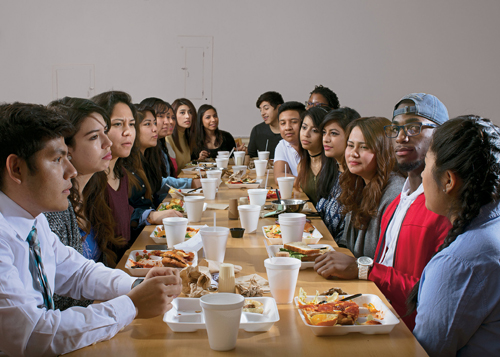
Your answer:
<point x="410" y="234"/>
<point x="268" y="132"/>
<point x="35" y="177"/>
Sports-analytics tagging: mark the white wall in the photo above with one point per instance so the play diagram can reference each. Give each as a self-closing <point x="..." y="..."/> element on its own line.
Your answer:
<point x="369" y="52"/>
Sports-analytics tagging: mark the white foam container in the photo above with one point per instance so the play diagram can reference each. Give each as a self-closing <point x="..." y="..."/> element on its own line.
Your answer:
<point x="144" y="271"/>
<point x="245" y="185"/>
<point x="273" y="249"/>
<point x="161" y="240"/>
<point x="186" y="316"/>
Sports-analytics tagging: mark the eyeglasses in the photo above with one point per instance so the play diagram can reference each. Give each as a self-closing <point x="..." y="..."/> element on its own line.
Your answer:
<point x="411" y="129"/>
<point x="316" y="104"/>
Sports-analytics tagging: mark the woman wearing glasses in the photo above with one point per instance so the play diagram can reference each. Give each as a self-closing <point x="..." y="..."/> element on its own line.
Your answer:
<point x="322" y="97"/>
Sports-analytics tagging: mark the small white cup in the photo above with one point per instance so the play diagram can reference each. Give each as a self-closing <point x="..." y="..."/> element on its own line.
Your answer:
<point x="194" y="207"/>
<point x="222" y="314"/>
<point x="215" y="174"/>
<point x="175" y="230"/>
<point x="286" y="187"/>
<point x="292" y="226"/>
<point x="260" y="167"/>
<point x="214" y="240"/>
<point x="222" y="162"/>
<point x="223" y="154"/>
<point x="282" y="274"/>
<point x="249" y="217"/>
<point x="239" y="157"/>
<point x="263" y="155"/>
<point x="209" y="187"/>
<point x="257" y="196"/>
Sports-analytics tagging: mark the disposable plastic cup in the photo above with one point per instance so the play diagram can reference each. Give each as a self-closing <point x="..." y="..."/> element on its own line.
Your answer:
<point x="239" y="157"/>
<point x="214" y="240"/>
<point x="222" y="314"/>
<point x="209" y="187"/>
<point x="263" y="155"/>
<point x="215" y="174"/>
<point x="292" y="226"/>
<point x="223" y="154"/>
<point x="260" y="167"/>
<point x="194" y="207"/>
<point x="282" y="273"/>
<point x="249" y="217"/>
<point x="286" y="187"/>
<point x="175" y="230"/>
<point x="257" y="196"/>
<point x="222" y="162"/>
<point x="240" y="167"/>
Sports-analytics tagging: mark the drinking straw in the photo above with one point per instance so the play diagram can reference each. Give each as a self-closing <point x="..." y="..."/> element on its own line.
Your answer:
<point x="267" y="178"/>
<point x="215" y="221"/>
<point x="285" y="170"/>
<point x="267" y="142"/>
<point x="231" y="151"/>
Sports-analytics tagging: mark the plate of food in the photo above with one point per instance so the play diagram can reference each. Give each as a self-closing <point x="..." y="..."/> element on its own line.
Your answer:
<point x="327" y="315"/>
<point x="159" y="236"/>
<point x="175" y="203"/>
<point x="244" y="183"/>
<point x="139" y="262"/>
<point x="259" y="315"/>
<point x="306" y="253"/>
<point x="273" y="234"/>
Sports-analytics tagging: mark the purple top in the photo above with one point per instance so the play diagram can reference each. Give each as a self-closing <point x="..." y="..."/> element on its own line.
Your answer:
<point x="122" y="211"/>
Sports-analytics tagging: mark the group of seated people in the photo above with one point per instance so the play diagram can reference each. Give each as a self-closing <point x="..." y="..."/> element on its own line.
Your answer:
<point x="415" y="200"/>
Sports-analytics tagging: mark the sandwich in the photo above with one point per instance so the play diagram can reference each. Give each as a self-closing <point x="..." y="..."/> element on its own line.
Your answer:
<point x="301" y="251"/>
<point x="253" y="306"/>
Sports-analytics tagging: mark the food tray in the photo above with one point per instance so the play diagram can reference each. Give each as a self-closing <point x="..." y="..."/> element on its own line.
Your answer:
<point x="273" y="249"/>
<point x="316" y="235"/>
<point x="162" y="206"/>
<point x="244" y="185"/>
<point x="194" y="169"/>
<point x="186" y="316"/>
<point x="161" y="240"/>
<point x="389" y="321"/>
<point x="144" y="271"/>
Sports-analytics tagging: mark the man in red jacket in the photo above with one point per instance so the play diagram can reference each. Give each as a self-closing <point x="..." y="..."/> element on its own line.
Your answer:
<point x="410" y="234"/>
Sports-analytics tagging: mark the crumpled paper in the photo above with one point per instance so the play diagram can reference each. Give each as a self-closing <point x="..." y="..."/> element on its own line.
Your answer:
<point x="251" y="285"/>
<point x="196" y="281"/>
<point x="214" y="266"/>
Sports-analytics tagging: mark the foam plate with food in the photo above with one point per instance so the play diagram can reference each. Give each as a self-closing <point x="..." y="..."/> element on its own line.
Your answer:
<point x="311" y="234"/>
<point x="186" y="315"/>
<point x="272" y="250"/>
<point x="139" y="262"/>
<point x="159" y="236"/>
<point x="255" y="183"/>
<point x="371" y="307"/>
<point x="175" y="203"/>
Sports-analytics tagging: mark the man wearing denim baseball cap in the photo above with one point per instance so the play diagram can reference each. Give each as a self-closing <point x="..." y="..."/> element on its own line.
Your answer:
<point x="410" y="234"/>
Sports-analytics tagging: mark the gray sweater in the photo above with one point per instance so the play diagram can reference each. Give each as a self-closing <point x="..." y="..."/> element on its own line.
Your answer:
<point x="364" y="242"/>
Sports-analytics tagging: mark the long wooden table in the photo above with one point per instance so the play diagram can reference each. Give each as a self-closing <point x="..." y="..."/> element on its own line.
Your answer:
<point x="288" y="337"/>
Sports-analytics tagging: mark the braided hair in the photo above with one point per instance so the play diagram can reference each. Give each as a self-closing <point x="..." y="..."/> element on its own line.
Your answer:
<point x="330" y="96"/>
<point x="470" y="147"/>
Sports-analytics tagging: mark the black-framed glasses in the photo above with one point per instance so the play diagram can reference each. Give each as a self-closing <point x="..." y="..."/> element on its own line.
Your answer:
<point x="316" y="104"/>
<point x="411" y="129"/>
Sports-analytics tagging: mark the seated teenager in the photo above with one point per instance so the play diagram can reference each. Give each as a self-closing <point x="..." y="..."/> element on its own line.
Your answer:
<point x="328" y="188"/>
<point x="323" y="97"/>
<point x="312" y="156"/>
<point x="35" y="177"/>
<point x="209" y="138"/>
<point x="266" y="135"/>
<point x="286" y="155"/>
<point x="182" y="137"/>
<point x="458" y="297"/>
<point x="368" y="184"/>
<point x="165" y="123"/>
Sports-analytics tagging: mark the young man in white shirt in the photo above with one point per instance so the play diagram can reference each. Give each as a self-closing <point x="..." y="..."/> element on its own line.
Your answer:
<point x="35" y="177"/>
<point x="286" y="155"/>
<point x="410" y="233"/>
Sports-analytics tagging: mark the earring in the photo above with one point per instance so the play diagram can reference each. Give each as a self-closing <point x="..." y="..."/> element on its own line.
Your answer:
<point x="69" y="157"/>
<point x="444" y="190"/>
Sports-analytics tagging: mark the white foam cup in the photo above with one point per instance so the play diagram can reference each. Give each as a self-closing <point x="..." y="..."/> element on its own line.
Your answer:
<point x="209" y="187"/>
<point x="222" y="314"/>
<point x="175" y="230"/>
<point x="249" y="217"/>
<point x="194" y="207"/>
<point x="260" y="167"/>
<point x="222" y="162"/>
<point x="215" y="174"/>
<point x="263" y="155"/>
<point x="292" y="226"/>
<point x="214" y="240"/>
<point x="282" y="273"/>
<point x="286" y="187"/>
<point x="223" y="154"/>
<point x="239" y="157"/>
<point x="257" y="196"/>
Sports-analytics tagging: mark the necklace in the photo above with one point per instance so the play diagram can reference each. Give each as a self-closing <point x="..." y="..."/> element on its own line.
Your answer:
<point x="314" y="155"/>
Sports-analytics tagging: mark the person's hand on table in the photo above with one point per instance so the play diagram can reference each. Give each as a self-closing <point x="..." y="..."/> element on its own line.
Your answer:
<point x="242" y="147"/>
<point x="204" y="154"/>
<point x="336" y="264"/>
<point x="156" y="217"/>
<point x="196" y="183"/>
<point x="154" y="295"/>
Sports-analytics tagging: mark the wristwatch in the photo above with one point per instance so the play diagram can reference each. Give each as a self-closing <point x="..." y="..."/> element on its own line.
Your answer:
<point x="137" y="282"/>
<point x="364" y="266"/>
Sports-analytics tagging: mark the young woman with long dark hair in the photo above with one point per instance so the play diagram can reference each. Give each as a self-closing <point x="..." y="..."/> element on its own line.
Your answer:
<point x="181" y="139"/>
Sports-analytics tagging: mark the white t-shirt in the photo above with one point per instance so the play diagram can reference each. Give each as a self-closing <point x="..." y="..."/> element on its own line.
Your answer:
<point x="392" y="232"/>
<point x="285" y="152"/>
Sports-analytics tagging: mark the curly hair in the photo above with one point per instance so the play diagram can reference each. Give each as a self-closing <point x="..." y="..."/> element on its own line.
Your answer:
<point x="357" y="197"/>
<point x="330" y="96"/>
<point x="470" y="147"/>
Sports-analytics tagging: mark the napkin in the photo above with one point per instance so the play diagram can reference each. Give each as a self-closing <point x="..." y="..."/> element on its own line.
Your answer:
<point x="252" y="285"/>
<point x="214" y="266"/>
<point x="196" y="281"/>
<point x="221" y="206"/>
<point x="193" y="244"/>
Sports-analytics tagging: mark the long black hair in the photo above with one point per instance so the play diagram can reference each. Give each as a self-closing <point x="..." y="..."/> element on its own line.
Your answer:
<point x="329" y="171"/>
<point x="470" y="147"/>
<point x="190" y="132"/>
<point x="201" y="135"/>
